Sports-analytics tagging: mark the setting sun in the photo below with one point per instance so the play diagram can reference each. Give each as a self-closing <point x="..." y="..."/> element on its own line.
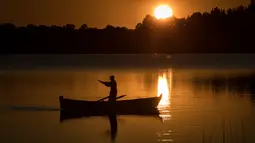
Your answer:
<point x="163" y="12"/>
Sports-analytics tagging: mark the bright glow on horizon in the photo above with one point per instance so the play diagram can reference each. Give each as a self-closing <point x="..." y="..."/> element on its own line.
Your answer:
<point x="163" y="12"/>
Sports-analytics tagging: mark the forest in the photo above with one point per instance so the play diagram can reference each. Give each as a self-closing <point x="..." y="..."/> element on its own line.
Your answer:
<point x="217" y="31"/>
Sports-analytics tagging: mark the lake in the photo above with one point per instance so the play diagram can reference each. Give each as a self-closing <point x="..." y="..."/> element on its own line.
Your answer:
<point x="207" y="98"/>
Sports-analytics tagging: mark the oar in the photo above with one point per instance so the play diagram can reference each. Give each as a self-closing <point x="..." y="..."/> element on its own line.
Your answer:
<point x="103" y="98"/>
<point x="120" y="96"/>
<point x="109" y="96"/>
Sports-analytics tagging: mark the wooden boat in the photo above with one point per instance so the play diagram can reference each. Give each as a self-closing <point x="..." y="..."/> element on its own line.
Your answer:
<point x="141" y="106"/>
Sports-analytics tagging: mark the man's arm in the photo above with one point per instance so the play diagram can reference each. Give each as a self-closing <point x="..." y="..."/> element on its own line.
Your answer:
<point x="106" y="83"/>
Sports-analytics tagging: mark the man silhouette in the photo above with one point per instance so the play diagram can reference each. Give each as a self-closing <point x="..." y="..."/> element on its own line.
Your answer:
<point x="113" y="88"/>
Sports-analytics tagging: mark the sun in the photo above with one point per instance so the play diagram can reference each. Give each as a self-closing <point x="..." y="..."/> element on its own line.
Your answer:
<point x="163" y="12"/>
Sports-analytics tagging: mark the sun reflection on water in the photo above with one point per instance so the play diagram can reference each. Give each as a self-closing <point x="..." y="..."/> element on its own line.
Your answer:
<point x="164" y="88"/>
<point x="164" y="136"/>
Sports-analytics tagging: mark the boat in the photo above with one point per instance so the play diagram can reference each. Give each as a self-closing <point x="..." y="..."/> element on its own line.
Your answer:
<point x="81" y="108"/>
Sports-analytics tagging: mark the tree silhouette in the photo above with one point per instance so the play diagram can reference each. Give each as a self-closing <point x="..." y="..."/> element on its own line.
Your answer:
<point x="218" y="30"/>
<point x="83" y="27"/>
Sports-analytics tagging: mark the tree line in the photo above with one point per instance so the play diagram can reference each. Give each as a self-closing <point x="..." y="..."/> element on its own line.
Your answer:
<point x="216" y="31"/>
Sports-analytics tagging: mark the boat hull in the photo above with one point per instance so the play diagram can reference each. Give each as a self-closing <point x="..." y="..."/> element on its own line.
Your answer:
<point x="142" y="106"/>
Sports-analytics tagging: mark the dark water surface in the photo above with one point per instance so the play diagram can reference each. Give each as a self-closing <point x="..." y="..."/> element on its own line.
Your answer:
<point x="206" y="98"/>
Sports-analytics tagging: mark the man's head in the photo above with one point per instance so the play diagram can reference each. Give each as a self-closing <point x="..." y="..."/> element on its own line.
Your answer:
<point x="112" y="77"/>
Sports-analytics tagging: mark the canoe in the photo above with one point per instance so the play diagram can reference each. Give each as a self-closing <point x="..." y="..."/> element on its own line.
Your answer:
<point x="140" y="106"/>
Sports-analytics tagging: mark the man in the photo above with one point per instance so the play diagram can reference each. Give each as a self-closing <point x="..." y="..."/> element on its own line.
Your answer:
<point x="113" y="85"/>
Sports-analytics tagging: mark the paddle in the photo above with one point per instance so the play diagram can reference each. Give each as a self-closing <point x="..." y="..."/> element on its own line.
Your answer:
<point x="118" y="97"/>
<point x="103" y="98"/>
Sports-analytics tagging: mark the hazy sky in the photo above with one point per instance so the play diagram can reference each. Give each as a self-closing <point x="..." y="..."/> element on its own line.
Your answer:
<point x="98" y="13"/>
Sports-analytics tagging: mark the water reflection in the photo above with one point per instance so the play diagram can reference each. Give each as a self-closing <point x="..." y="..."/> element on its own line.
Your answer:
<point x="165" y="136"/>
<point x="241" y="85"/>
<point x="114" y="126"/>
<point x="165" y="88"/>
<point x="112" y="117"/>
<point x="193" y="101"/>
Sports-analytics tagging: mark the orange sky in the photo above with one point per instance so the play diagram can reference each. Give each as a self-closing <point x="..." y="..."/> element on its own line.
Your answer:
<point x="98" y="13"/>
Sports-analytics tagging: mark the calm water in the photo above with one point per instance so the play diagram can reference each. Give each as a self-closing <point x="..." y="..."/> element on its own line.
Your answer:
<point x="206" y="98"/>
